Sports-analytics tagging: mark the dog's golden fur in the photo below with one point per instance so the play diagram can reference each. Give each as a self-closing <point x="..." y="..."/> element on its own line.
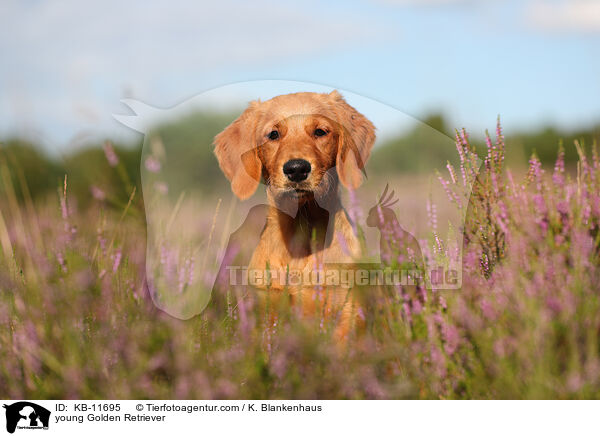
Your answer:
<point x="306" y="224"/>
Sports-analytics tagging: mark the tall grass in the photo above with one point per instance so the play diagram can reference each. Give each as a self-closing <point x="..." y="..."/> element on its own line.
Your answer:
<point x="76" y="319"/>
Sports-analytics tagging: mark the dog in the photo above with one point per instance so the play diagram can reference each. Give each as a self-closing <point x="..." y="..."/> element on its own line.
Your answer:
<point x="304" y="147"/>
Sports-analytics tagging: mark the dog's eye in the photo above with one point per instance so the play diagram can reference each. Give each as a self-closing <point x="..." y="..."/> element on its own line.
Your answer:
<point x="320" y="132"/>
<point x="273" y="135"/>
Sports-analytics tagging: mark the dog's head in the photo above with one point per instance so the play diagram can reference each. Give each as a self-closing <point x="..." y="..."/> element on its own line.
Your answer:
<point x="297" y="143"/>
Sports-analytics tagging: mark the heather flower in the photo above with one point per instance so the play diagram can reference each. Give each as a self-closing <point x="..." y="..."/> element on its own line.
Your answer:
<point x="451" y="172"/>
<point x="451" y="337"/>
<point x="101" y="240"/>
<point x="168" y="259"/>
<point x="460" y="147"/>
<point x="535" y="171"/>
<point x="190" y="265"/>
<point x="554" y="304"/>
<point x="438" y="362"/>
<point x="491" y="155"/>
<point x="464" y="137"/>
<point x="152" y="164"/>
<point x="161" y="187"/>
<point x="487" y="309"/>
<point x="559" y="169"/>
<point x="452" y="196"/>
<point x="432" y="215"/>
<point x="186" y="274"/>
<point x="485" y="264"/>
<point x="499" y="135"/>
<point x="63" y="207"/>
<point x="502" y="217"/>
<point x="97" y="193"/>
<point x="116" y="260"/>
<point x="539" y="204"/>
<point x="182" y="279"/>
<point x="110" y="154"/>
<point x="439" y="246"/>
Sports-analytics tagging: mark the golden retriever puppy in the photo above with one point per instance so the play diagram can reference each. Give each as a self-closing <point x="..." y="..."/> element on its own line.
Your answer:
<point x="302" y="146"/>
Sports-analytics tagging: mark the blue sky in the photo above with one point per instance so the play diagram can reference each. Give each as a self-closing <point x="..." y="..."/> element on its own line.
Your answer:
<point x="66" y="65"/>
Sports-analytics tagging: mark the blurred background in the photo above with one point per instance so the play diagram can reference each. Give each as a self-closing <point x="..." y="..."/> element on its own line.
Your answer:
<point x="448" y="63"/>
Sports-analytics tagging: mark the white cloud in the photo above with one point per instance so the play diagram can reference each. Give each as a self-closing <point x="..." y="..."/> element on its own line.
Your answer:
<point x="572" y="15"/>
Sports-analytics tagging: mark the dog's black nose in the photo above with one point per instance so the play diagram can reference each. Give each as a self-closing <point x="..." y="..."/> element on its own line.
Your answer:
<point x="296" y="169"/>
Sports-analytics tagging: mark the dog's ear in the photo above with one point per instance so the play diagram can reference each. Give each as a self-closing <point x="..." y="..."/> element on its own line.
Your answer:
<point x="357" y="136"/>
<point x="237" y="153"/>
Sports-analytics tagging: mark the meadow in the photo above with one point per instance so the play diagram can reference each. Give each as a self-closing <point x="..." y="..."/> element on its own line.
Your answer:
<point x="77" y="320"/>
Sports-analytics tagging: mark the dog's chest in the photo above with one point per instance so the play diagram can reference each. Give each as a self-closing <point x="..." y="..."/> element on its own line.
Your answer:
<point x="306" y="246"/>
